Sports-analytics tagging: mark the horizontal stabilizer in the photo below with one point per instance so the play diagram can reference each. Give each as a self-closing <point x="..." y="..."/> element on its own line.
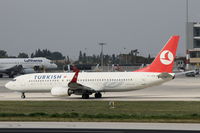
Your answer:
<point x="165" y="76"/>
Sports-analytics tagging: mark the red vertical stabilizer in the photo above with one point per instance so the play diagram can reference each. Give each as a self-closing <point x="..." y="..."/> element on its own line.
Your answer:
<point x="164" y="61"/>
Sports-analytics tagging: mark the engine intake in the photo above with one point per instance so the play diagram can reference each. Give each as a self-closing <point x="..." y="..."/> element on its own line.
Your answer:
<point x="60" y="91"/>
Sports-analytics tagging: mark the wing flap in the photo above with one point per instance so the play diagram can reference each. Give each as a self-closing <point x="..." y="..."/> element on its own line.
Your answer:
<point x="73" y="85"/>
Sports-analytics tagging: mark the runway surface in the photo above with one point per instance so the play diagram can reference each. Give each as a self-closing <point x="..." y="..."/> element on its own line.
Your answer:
<point x="102" y="125"/>
<point x="46" y="130"/>
<point x="179" y="89"/>
<point x="98" y="127"/>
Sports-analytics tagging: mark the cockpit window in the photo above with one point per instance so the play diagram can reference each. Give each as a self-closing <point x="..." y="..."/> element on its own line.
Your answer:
<point x="14" y="79"/>
<point x="51" y="62"/>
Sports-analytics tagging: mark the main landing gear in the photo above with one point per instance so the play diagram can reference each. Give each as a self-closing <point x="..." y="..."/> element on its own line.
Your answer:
<point x="23" y="95"/>
<point x="11" y="76"/>
<point x="87" y="96"/>
<point x="98" y="95"/>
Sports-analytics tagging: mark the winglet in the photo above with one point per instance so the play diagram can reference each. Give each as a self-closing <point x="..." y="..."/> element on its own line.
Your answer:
<point x="74" y="79"/>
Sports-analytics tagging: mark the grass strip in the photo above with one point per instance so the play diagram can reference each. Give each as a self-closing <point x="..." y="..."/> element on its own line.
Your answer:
<point x="102" y="116"/>
<point x="148" y="111"/>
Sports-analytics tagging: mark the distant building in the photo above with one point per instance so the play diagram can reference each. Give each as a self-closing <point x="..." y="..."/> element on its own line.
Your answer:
<point x="193" y="45"/>
<point x="180" y="63"/>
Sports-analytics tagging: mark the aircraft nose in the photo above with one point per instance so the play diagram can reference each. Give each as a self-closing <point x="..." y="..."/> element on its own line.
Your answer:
<point x="8" y="85"/>
<point x="54" y="66"/>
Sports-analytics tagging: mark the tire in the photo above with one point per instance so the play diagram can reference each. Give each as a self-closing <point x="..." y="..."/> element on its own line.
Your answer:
<point x="98" y="95"/>
<point x="36" y="68"/>
<point x="11" y="76"/>
<point x="69" y="92"/>
<point x="23" y="96"/>
<point x="85" y="96"/>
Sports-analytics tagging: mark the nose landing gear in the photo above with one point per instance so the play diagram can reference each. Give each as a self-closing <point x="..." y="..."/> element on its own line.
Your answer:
<point x="23" y="95"/>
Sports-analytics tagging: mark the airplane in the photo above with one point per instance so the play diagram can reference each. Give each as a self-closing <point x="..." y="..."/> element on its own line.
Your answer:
<point x="14" y="66"/>
<point x="87" y="83"/>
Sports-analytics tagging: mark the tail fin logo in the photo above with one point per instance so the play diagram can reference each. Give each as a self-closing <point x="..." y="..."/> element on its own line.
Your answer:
<point x="166" y="57"/>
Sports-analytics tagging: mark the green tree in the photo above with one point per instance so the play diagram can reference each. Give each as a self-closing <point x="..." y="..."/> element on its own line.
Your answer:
<point x="84" y="58"/>
<point x="57" y="56"/>
<point x="48" y="54"/>
<point x="22" y="55"/>
<point x="80" y="59"/>
<point x="3" y="54"/>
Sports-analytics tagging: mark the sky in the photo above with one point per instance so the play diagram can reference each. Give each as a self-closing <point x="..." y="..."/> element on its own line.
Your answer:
<point x="69" y="26"/>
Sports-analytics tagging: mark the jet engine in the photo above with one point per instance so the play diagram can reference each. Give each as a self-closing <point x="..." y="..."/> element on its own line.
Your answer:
<point x="60" y="91"/>
<point x="28" y="70"/>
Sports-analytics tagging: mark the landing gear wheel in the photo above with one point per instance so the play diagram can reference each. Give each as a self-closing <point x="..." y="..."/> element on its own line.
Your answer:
<point x="69" y="92"/>
<point x="23" y="95"/>
<point x="36" y="68"/>
<point x="11" y="76"/>
<point x="85" y="96"/>
<point x="98" y="95"/>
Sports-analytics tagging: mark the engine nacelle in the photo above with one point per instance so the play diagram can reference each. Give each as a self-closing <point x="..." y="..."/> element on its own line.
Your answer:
<point x="59" y="91"/>
<point x="28" y="70"/>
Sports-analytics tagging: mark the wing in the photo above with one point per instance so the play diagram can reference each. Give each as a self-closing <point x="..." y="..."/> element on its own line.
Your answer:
<point x="15" y="68"/>
<point x="6" y="67"/>
<point x="74" y="86"/>
<point x="192" y="72"/>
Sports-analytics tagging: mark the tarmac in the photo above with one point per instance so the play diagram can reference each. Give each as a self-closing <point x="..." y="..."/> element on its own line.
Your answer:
<point x="180" y="89"/>
<point x="102" y="125"/>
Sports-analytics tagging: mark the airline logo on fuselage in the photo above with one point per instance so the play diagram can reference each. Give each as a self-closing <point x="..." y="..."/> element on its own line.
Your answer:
<point x="47" y="77"/>
<point x="33" y="60"/>
<point x="166" y="57"/>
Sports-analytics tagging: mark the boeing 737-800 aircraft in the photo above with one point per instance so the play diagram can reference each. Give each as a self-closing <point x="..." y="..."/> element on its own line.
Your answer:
<point x="14" y="66"/>
<point x="87" y="83"/>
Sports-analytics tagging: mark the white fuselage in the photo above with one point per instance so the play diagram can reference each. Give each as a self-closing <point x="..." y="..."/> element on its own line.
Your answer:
<point x="99" y="81"/>
<point x="7" y="63"/>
